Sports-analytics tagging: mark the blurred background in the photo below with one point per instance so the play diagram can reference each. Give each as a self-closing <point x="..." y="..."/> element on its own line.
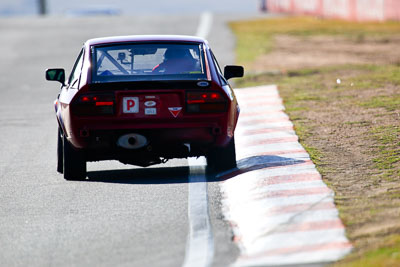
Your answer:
<point x="337" y="64"/>
<point x="121" y="7"/>
<point x="359" y="10"/>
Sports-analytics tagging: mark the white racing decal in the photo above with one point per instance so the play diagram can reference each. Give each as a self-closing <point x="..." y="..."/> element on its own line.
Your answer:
<point x="130" y="104"/>
<point x="150" y="111"/>
<point x="203" y="84"/>
<point x="150" y="103"/>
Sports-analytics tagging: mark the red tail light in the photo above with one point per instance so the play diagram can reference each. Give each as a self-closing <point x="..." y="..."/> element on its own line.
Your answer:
<point x="94" y="104"/>
<point x="109" y="103"/>
<point x="205" y="102"/>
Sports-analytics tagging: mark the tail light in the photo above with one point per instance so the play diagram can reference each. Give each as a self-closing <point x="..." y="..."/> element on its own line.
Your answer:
<point x="205" y="102"/>
<point x="94" y="104"/>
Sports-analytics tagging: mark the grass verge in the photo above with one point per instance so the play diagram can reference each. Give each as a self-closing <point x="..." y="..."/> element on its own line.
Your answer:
<point x="347" y="117"/>
<point x="255" y="37"/>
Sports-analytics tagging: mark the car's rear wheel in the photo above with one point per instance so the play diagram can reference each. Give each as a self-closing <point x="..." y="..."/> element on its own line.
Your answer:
<point x="60" y="151"/>
<point x="73" y="161"/>
<point x="222" y="158"/>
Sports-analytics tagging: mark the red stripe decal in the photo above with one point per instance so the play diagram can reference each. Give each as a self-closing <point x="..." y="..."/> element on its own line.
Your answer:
<point x="252" y="97"/>
<point x="246" y="114"/>
<point x="265" y="120"/>
<point x="293" y="178"/>
<point x="272" y="153"/>
<point x="312" y="226"/>
<point x="262" y="103"/>
<point x="270" y="141"/>
<point x="301" y="207"/>
<point x="294" y="192"/>
<point x="285" y="179"/>
<point x="266" y="130"/>
<point x="301" y="249"/>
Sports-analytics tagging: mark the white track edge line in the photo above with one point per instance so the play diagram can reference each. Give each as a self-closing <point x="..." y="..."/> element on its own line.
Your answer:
<point x="200" y="243"/>
<point x="205" y="24"/>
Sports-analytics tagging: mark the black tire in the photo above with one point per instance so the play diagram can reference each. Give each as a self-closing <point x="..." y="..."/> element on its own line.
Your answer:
<point x="222" y="158"/>
<point x="73" y="161"/>
<point x="60" y="152"/>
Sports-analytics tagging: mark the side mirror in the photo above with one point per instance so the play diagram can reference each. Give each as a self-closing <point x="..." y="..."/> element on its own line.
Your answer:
<point x="56" y="75"/>
<point x="232" y="71"/>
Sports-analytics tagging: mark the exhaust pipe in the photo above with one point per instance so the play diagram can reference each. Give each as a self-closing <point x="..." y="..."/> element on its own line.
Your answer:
<point x="132" y="141"/>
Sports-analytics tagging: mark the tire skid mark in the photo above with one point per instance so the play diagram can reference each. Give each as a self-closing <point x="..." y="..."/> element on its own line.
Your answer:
<point x="280" y="209"/>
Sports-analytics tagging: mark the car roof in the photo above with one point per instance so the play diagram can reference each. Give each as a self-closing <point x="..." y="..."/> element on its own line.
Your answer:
<point x="144" y="38"/>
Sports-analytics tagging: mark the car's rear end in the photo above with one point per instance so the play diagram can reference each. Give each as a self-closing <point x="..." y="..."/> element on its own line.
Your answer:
<point x="137" y="110"/>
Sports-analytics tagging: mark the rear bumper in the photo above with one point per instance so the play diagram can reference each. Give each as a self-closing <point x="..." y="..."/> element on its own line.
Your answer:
<point x="98" y="135"/>
<point x="165" y="143"/>
<point x="156" y="137"/>
<point x="168" y="140"/>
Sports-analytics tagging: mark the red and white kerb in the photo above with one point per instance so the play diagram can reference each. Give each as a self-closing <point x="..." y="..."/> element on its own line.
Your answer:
<point x="281" y="211"/>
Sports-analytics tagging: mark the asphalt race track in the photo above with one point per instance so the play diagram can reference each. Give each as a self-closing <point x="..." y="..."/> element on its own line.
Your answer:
<point x="120" y="216"/>
<point x="274" y="206"/>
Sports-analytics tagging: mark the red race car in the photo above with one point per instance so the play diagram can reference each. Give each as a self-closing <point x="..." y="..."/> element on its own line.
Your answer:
<point x="143" y="100"/>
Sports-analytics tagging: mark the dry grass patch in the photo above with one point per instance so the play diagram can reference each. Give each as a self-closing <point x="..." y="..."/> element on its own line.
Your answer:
<point x="344" y="99"/>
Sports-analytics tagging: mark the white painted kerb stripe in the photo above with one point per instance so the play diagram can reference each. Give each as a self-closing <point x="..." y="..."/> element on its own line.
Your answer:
<point x="281" y="211"/>
<point x="200" y="245"/>
<point x="205" y="25"/>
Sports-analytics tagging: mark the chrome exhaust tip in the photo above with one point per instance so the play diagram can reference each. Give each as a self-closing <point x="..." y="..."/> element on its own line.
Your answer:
<point x="132" y="141"/>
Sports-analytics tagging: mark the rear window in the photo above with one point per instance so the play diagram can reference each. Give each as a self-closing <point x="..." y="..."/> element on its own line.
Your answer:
<point x="149" y="61"/>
